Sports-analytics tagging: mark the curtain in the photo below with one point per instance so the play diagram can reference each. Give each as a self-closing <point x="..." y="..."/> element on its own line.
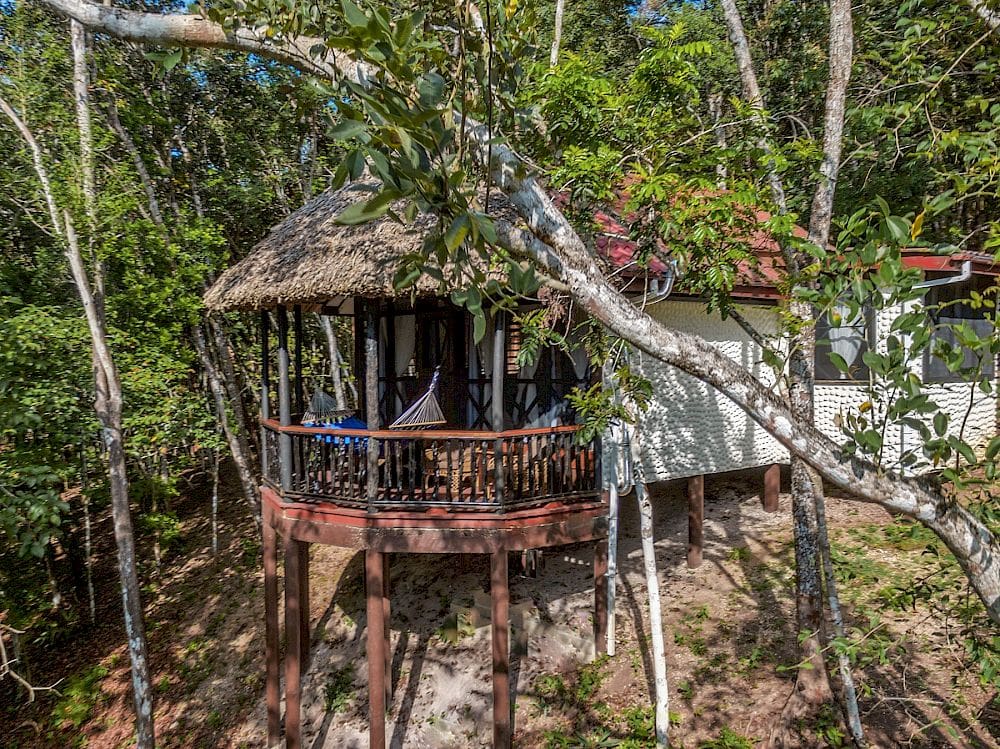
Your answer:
<point x="848" y="339"/>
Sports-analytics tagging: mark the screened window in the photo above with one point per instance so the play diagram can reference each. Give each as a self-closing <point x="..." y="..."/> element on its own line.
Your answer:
<point x="850" y="339"/>
<point x="949" y="307"/>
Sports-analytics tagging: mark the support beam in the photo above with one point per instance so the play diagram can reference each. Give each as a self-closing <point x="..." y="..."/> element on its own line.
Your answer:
<point x="304" y="634"/>
<point x="265" y="386"/>
<point x="371" y="401"/>
<point x="284" y="402"/>
<point x="272" y="686"/>
<point x="500" y="598"/>
<point x="376" y="648"/>
<point x="601" y="596"/>
<point x="386" y="615"/>
<point x="299" y="382"/>
<point x="293" y="647"/>
<point x="772" y="488"/>
<point x="696" y="519"/>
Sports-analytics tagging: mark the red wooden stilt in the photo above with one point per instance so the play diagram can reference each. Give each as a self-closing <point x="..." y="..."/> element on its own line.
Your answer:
<point x="772" y="487"/>
<point x="376" y="648"/>
<point x="696" y="519"/>
<point x="293" y="646"/>
<point x="272" y="688"/>
<point x="601" y="596"/>
<point x="304" y="636"/>
<point x="386" y="611"/>
<point x="501" y="650"/>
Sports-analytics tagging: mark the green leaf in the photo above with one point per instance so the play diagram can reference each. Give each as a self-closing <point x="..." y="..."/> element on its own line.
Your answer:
<point x="354" y="16"/>
<point x="457" y="232"/>
<point x="171" y="59"/>
<point x="940" y="423"/>
<point x="478" y="326"/>
<point x="347" y="129"/>
<point x="359" y="213"/>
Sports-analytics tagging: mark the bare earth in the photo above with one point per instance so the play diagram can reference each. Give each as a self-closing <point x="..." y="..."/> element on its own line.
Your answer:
<point x="729" y="629"/>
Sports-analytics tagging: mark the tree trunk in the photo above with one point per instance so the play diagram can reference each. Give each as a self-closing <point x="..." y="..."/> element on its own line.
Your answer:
<point x="662" y="694"/>
<point x="215" y="502"/>
<point x="231" y="384"/>
<point x="334" y="354"/>
<point x="557" y="33"/>
<point x="107" y="404"/>
<point x="237" y="449"/>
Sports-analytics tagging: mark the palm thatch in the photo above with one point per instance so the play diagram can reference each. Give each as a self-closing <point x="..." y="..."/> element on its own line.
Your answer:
<point x="311" y="259"/>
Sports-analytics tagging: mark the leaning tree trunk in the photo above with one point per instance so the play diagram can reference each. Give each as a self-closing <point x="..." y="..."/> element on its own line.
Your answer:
<point x="236" y="447"/>
<point x="557" y="33"/>
<point x="334" y="353"/>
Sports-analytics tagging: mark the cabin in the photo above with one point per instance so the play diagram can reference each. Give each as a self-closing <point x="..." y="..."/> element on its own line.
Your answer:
<point x="453" y="447"/>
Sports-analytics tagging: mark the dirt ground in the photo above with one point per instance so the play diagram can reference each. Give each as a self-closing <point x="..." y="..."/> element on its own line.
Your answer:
<point x="729" y="629"/>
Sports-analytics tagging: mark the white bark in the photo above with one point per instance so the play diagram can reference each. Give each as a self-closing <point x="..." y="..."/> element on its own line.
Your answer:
<point x="662" y="694"/>
<point x="990" y="17"/>
<point x="334" y="353"/>
<point x="554" y="246"/>
<point x="557" y="33"/>
<point x="215" y="502"/>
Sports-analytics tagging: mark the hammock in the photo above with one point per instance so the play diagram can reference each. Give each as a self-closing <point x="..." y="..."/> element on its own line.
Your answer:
<point x="323" y="408"/>
<point x="425" y="411"/>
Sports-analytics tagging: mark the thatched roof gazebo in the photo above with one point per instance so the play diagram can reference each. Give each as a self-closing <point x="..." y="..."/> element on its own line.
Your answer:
<point x="495" y="466"/>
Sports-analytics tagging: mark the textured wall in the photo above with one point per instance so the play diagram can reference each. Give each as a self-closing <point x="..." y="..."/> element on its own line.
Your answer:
<point x="690" y="428"/>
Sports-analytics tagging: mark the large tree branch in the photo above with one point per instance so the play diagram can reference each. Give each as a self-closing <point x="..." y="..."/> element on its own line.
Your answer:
<point x="554" y="244"/>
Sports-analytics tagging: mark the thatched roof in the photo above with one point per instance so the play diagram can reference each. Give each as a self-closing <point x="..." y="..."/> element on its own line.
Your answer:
<point x="310" y="259"/>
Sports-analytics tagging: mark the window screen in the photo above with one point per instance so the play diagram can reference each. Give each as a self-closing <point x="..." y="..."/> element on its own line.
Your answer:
<point x="948" y="308"/>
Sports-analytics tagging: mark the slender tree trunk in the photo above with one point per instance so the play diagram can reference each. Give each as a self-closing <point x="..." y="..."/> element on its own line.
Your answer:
<point x="334" y="354"/>
<point x="230" y="382"/>
<point x="107" y="404"/>
<point x="215" y="502"/>
<point x="557" y="33"/>
<point x="140" y="166"/>
<point x="243" y="468"/>
<point x="88" y="557"/>
<point x="662" y="696"/>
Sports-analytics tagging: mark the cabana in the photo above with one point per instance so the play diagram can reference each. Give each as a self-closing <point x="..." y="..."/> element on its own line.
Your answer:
<point x="497" y="468"/>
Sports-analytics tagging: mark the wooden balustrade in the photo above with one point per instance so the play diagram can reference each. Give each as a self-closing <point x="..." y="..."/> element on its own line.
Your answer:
<point x="421" y="469"/>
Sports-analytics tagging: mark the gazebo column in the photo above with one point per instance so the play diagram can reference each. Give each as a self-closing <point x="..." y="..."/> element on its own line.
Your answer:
<point x="375" y="597"/>
<point x="284" y="403"/>
<point x="265" y="386"/>
<point x="386" y="620"/>
<point x="500" y="636"/>
<point x="496" y="401"/>
<point x="371" y="401"/>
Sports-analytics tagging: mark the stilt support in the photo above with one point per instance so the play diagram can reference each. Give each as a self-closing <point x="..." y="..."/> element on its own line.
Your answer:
<point x="386" y="559"/>
<point x="374" y="573"/>
<point x="696" y="519"/>
<point x="501" y="650"/>
<point x="601" y="596"/>
<point x="304" y="634"/>
<point x="772" y="487"/>
<point x="272" y="688"/>
<point x="293" y="645"/>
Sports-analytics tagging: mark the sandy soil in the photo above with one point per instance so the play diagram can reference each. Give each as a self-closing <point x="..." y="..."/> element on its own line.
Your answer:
<point x="729" y="629"/>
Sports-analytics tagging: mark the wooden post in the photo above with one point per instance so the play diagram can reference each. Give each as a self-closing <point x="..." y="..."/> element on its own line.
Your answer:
<point x="772" y="487"/>
<point x="601" y="596"/>
<point x="386" y="612"/>
<point x="284" y="402"/>
<point x="304" y="635"/>
<point x="500" y="596"/>
<point x="265" y="385"/>
<point x="272" y="688"/>
<point x="496" y="401"/>
<point x="371" y="401"/>
<point x="293" y="647"/>
<point x="696" y="519"/>
<point x="299" y="383"/>
<point x="376" y="647"/>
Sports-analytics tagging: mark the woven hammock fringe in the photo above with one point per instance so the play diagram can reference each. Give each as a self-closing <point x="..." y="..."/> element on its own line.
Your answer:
<point x="425" y="411"/>
<point x="323" y="407"/>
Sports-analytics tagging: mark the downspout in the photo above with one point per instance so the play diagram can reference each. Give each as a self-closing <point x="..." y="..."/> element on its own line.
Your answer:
<point x="961" y="277"/>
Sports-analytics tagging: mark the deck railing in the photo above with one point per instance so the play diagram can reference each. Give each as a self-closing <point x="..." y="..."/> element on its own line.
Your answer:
<point x="432" y="468"/>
